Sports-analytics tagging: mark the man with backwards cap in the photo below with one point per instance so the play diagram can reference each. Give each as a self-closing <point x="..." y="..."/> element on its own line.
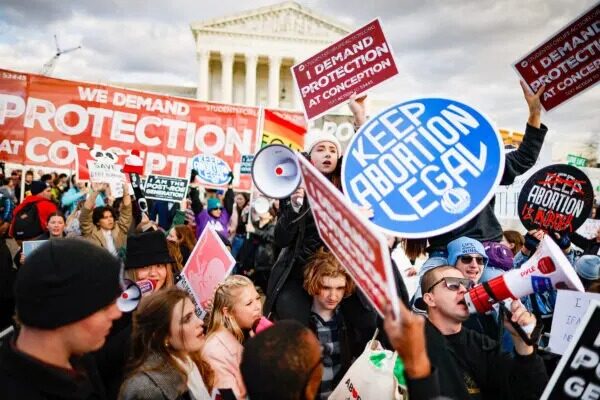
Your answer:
<point x="65" y="304"/>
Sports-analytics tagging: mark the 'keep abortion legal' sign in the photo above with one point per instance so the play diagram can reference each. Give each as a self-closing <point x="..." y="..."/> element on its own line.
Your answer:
<point x="567" y="63"/>
<point x="425" y="166"/>
<point x="556" y="198"/>
<point x="166" y="188"/>
<point x="355" y="63"/>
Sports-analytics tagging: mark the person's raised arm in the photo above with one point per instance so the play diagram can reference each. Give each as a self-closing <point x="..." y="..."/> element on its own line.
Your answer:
<point x="534" y="103"/>
<point x="358" y="109"/>
<point x="90" y="201"/>
<point x="406" y="334"/>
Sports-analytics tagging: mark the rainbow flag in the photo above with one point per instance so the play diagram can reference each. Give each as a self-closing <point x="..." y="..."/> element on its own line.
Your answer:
<point x="279" y="130"/>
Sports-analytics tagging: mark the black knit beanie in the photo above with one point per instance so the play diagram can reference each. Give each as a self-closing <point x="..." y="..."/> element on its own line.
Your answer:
<point x="147" y="248"/>
<point x="64" y="281"/>
<point x="38" y="187"/>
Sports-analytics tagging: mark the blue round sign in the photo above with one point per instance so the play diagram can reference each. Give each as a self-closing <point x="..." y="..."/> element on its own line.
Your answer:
<point x="211" y="169"/>
<point x="425" y="166"/>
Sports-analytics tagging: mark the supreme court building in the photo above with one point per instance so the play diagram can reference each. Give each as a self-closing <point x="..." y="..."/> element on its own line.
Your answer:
<point x="246" y="58"/>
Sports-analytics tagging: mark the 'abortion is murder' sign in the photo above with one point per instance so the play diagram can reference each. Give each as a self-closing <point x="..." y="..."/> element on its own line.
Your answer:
<point x="425" y="166"/>
<point x="557" y="198"/>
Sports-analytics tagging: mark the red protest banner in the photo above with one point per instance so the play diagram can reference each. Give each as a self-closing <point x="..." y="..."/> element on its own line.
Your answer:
<point x="209" y="264"/>
<point x="43" y="120"/>
<point x="568" y="63"/>
<point x="358" y="247"/>
<point x="356" y="63"/>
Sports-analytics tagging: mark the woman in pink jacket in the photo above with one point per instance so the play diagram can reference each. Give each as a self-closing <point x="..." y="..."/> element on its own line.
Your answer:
<point x="236" y="308"/>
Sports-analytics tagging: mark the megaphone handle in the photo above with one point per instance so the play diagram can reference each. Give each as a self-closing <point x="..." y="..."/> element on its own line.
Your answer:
<point x="530" y="340"/>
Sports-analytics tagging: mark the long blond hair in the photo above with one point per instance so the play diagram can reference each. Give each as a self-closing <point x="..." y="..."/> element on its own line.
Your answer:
<point x="226" y="296"/>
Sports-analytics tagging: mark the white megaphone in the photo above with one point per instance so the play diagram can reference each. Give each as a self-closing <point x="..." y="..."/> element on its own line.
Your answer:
<point x="133" y="293"/>
<point x="547" y="269"/>
<point x="276" y="172"/>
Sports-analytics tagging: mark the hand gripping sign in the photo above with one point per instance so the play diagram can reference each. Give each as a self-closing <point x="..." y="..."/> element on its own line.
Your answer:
<point x="556" y="198"/>
<point x="568" y="63"/>
<point x="359" y="248"/>
<point x="425" y="166"/>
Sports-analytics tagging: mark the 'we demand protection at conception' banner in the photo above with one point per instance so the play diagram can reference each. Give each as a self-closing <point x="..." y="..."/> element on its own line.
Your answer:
<point x="43" y="120"/>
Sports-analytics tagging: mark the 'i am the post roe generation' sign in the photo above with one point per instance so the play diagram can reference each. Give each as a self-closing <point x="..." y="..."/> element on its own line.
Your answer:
<point x="568" y="63"/>
<point x="356" y="63"/>
<point x="425" y="166"/>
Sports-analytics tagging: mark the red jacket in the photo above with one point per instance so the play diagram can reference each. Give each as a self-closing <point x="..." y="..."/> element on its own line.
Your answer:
<point x="44" y="206"/>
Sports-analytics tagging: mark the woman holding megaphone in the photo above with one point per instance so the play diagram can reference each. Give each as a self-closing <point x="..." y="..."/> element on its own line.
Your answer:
<point x="296" y="233"/>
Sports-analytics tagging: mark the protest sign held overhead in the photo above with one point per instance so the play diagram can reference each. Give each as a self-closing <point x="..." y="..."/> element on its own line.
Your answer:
<point x="166" y="188"/>
<point x="556" y="198"/>
<point x="246" y="165"/>
<point x="168" y="132"/>
<point x="354" y="64"/>
<point x="359" y="248"/>
<point x="576" y="376"/>
<point x="104" y="169"/>
<point x="568" y="63"/>
<point x="568" y="312"/>
<point x="211" y="170"/>
<point x="209" y="264"/>
<point x="425" y="166"/>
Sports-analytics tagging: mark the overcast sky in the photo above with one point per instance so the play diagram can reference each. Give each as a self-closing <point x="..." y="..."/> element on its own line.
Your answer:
<point x="456" y="48"/>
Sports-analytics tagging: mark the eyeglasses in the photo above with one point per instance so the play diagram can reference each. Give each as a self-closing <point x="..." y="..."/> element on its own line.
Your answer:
<point x="453" y="284"/>
<point x="468" y="259"/>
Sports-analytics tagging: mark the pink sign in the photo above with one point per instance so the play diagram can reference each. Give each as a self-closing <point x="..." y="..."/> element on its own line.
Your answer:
<point x="568" y="63"/>
<point x="356" y="63"/>
<point x="209" y="264"/>
<point x="358" y="247"/>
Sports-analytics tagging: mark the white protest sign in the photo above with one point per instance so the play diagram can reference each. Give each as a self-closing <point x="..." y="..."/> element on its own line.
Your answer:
<point x="589" y="229"/>
<point x="105" y="170"/>
<point x="577" y="374"/>
<point x="570" y="308"/>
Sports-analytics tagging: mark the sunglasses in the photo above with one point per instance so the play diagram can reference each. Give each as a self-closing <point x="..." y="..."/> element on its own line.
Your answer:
<point x="468" y="259"/>
<point x="453" y="284"/>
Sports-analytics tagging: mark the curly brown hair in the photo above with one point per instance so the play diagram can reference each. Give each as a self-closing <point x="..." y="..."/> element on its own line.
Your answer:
<point x="324" y="264"/>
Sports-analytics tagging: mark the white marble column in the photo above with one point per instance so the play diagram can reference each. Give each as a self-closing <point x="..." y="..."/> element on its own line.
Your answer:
<point x="274" y="73"/>
<point x="296" y="98"/>
<point x="251" y="63"/>
<point x="226" y="77"/>
<point x="203" y="57"/>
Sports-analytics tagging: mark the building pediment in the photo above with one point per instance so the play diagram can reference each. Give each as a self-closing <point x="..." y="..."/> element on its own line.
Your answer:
<point x="283" y="20"/>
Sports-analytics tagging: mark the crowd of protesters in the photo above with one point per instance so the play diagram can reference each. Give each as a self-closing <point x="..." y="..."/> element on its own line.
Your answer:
<point x="67" y="338"/>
